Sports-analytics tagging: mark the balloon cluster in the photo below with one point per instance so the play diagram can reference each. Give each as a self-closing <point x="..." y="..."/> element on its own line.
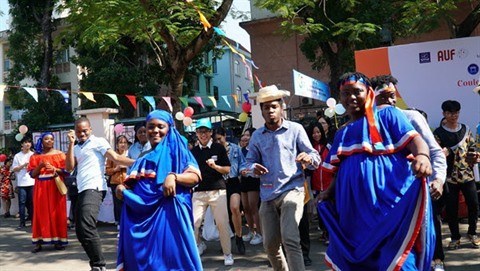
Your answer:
<point x="246" y="108"/>
<point x="334" y="108"/>
<point x="186" y="116"/>
<point x="23" y="129"/>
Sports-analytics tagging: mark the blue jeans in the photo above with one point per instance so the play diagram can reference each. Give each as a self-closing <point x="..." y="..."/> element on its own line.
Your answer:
<point x="86" y="213"/>
<point x="25" y="200"/>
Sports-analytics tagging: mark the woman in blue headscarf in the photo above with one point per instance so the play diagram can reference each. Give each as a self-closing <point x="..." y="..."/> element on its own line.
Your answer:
<point x="49" y="222"/>
<point x="156" y="227"/>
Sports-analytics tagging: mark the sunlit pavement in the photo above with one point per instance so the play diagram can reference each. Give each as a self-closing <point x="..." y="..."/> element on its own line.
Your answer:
<point x="15" y="247"/>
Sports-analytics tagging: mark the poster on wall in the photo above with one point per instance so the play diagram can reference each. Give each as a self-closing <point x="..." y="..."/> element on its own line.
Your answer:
<point x="430" y="73"/>
<point x="306" y="86"/>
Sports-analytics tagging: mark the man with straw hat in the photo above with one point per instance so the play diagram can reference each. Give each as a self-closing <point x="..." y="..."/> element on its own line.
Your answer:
<point x="278" y="153"/>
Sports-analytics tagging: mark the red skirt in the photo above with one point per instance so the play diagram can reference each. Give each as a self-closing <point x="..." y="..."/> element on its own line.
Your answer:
<point x="49" y="224"/>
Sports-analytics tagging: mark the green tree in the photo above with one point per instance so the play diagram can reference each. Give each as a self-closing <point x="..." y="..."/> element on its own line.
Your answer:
<point x="31" y="51"/>
<point x="170" y="28"/>
<point x="333" y="30"/>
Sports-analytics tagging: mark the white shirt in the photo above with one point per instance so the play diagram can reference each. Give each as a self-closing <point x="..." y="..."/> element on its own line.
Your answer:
<point x="90" y="157"/>
<point x="23" y="178"/>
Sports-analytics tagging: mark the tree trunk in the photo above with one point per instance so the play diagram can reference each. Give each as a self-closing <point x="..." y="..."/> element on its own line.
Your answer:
<point x="465" y="28"/>
<point x="47" y="29"/>
<point x="178" y="76"/>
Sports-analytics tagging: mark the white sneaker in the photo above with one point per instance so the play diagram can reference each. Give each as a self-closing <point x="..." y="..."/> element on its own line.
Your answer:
<point x="256" y="240"/>
<point x="247" y="237"/>
<point x="228" y="259"/>
<point x="201" y="248"/>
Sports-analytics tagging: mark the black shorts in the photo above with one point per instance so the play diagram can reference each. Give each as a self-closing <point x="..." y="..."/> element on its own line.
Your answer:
<point x="233" y="186"/>
<point x="248" y="184"/>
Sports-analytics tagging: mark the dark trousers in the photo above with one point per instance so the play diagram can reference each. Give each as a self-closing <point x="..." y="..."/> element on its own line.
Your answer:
<point x="117" y="204"/>
<point x="469" y="191"/>
<point x="87" y="209"/>
<point x="304" y="230"/>
<point x="437" y="222"/>
<point x="25" y="200"/>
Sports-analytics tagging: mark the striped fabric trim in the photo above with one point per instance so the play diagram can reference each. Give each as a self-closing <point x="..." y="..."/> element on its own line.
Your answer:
<point x="119" y="267"/>
<point x="413" y="232"/>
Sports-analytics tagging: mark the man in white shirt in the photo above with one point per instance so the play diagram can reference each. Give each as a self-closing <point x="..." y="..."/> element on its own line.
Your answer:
<point x="24" y="181"/>
<point x="89" y="158"/>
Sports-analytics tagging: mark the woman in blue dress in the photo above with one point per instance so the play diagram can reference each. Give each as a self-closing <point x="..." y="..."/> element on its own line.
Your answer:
<point x="156" y="228"/>
<point x="379" y="212"/>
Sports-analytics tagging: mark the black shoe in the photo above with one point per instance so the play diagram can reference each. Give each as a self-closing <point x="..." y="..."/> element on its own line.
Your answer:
<point x="240" y="245"/>
<point x="37" y="248"/>
<point x="7" y="215"/>
<point x="59" y="247"/>
<point x="307" y="261"/>
<point x="21" y="226"/>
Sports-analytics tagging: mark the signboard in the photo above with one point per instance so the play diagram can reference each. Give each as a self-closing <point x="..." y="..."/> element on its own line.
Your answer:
<point x="429" y="73"/>
<point x="306" y="86"/>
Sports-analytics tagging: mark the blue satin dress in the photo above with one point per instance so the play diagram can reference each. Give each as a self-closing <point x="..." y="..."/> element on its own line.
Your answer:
<point x="381" y="217"/>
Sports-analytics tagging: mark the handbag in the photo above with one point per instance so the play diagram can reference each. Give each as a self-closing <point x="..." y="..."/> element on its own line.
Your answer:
<point x="60" y="185"/>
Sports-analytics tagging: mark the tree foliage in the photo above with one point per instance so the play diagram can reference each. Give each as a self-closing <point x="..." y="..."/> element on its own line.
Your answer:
<point x="169" y="30"/>
<point x="333" y="30"/>
<point x="31" y="51"/>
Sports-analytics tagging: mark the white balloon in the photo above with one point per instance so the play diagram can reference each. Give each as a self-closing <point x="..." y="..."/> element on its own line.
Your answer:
<point x="329" y="112"/>
<point x="187" y="121"/>
<point x="331" y="102"/>
<point x="19" y="137"/>
<point x="339" y="109"/>
<point x="179" y="116"/>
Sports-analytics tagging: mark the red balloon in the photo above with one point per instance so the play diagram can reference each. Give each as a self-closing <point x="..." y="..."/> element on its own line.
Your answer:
<point x="246" y="107"/>
<point x="188" y="112"/>
<point x="3" y="157"/>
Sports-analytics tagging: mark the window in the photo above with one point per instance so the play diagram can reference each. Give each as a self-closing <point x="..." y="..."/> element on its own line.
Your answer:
<point x="214" y="65"/>
<point x="246" y="72"/>
<point x="6" y="64"/>
<point x="195" y="83"/>
<point x="208" y="85"/>
<point x="236" y="67"/>
<point x="215" y="92"/>
<point x="62" y="61"/>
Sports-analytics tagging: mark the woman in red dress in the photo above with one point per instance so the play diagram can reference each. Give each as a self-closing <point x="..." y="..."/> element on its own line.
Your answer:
<point x="49" y="224"/>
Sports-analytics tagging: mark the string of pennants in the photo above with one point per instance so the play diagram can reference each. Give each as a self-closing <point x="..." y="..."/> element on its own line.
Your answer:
<point x="131" y="98"/>
<point x="151" y="99"/>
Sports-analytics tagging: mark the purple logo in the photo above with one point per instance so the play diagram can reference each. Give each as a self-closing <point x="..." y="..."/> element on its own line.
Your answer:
<point x="424" y="57"/>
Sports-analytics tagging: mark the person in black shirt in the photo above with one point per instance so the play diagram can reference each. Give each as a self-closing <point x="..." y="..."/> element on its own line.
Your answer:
<point x="211" y="191"/>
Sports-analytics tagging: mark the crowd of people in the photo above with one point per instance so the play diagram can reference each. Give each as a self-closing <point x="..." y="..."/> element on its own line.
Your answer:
<point x="377" y="185"/>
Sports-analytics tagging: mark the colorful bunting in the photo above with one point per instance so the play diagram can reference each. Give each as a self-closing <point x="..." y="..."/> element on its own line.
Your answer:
<point x="113" y="97"/>
<point x="199" y="101"/>
<point x="133" y="100"/>
<point x="33" y="92"/>
<point x="235" y="97"/>
<point x="204" y="21"/>
<point x="258" y="81"/>
<point x="214" y="102"/>
<point x="89" y="96"/>
<point x="184" y="101"/>
<point x="245" y="95"/>
<point x="168" y="100"/>
<point x="151" y="101"/>
<point x="219" y="31"/>
<point x="65" y="95"/>
<point x="225" y="98"/>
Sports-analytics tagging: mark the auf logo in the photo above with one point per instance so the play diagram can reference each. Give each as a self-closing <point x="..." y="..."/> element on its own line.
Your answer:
<point x="424" y="57"/>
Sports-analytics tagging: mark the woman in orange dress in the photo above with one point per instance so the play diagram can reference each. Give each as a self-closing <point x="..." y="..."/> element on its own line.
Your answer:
<point x="49" y="224"/>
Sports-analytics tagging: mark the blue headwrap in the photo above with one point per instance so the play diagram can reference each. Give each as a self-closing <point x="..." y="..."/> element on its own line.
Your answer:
<point x="39" y="144"/>
<point x="172" y="153"/>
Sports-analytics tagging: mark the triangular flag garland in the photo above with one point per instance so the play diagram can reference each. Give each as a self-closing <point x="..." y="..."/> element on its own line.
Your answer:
<point x="65" y="95"/>
<point x="133" y="100"/>
<point x="114" y="98"/>
<point x="151" y="101"/>
<point x="199" y="101"/>
<point x="33" y="92"/>
<point x="168" y="100"/>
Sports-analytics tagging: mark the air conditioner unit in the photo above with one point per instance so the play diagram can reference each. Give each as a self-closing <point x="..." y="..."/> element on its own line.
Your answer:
<point x="306" y="101"/>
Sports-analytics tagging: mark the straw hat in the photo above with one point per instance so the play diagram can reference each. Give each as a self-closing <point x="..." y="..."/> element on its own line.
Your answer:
<point x="270" y="93"/>
<point x="477" y="89"/>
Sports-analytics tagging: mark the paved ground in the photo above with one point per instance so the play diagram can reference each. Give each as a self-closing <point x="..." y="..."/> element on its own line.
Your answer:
<point x="15" y="255"/>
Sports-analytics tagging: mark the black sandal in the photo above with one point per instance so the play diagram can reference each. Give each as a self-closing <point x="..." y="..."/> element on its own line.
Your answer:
<point x="37" y="248"/>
